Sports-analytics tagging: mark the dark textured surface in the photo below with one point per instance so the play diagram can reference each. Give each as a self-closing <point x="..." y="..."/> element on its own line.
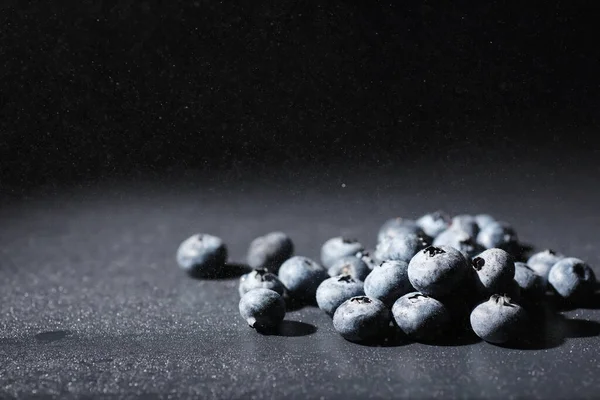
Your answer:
<point x="93" y="303"/>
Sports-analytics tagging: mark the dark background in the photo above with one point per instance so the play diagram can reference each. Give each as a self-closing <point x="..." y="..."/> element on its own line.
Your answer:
<point x="126" y="127"/>
<point x="95" y="89"/>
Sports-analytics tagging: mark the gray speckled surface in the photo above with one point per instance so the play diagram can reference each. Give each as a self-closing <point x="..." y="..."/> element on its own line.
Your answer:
<point x="93" y="303"/>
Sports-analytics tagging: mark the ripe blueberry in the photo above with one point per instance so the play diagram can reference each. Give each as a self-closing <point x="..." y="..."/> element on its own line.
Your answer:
<point x="498" y="320"/>
<point x="434" y="223"/>
<point x="361" y="319"/>
<point x="338" y="247"/>
<point x="332" y="292"/>
<point x="302" y="276"/>
<point x="388" y="282"/>
<point x="350" y="265"/>
<point x="270" y="251"/>
<point x="437" y="271"/>
<point x="420" y="317"/>
<point x="263" y="309"/>
<point x="572" y="279"/>
<point x="202" y="254"/>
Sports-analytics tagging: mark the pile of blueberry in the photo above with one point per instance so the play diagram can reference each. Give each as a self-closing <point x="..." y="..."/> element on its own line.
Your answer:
<point x="426" y="279"/>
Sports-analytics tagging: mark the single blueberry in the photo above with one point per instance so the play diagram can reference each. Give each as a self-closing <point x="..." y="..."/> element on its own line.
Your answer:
<point x="260" y="278"/>
<point x="398" y="226"/>
<point x="438" y="271"/>
<point x="498" y="235"/>
<point x="270" y="251"/>
<point x="531" y="284"/>
<point x="498" y="320"/>
<point x="202" y="254"/>
<point x="543" y="261"/>
<point x="338" y="247"/>
<point x="400" y="247"/>
<point x="434" y="223"/>
<point x="466" y="223"/>
<point x="495" y="271"/>
<point x="420" y="317"/>
<point x="388" y="282"/>
<point x="263" y="309"/>
<point x="332" y="292"/>
<point x="350" y="265"/>
<point x="362" y="319"/>
<point x="302" y="276"/>
<point x="460" y="240"/>
<point x="484" y="219"/>
<point x="572" y="279"/>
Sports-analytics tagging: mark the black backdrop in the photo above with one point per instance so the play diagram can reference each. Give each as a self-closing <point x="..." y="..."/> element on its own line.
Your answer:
<point x="100" y="88"/>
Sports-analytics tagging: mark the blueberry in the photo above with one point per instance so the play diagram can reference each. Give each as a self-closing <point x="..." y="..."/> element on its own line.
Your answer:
<point x="260" y="278"/>
<point x="362" y="319"/>
<point x="434" y="223"/>
<point x="495" y="271"/>
<point x="263" y="309"/>
<point x="483" y="219"/>
<point x="270" y="251"/>
<point x="398" y="226"/>
<point x="572" y="279"/>
<point x="498" y="235"/>
<point x="388" y="281"/>
<point x="368" y="259"/>
<point x="460" y="240"/>
<point x="466" y="223"/>
<point x="400" y="247"/>
<point x="498" y="320"/>
<point x="420" y="317"/>
<point x="202" y="254"/>
<point x="338" y="247"/>
<point x="332" y="292"/>
<point x="350" y="265"/>
<point x="302" y="276"/>
<point x="437" y="271"/>
<point x="531" y="284"/>
<point x="543" y="261"/>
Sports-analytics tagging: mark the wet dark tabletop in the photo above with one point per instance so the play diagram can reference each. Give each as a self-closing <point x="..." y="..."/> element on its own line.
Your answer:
<point x="93" y="303"/>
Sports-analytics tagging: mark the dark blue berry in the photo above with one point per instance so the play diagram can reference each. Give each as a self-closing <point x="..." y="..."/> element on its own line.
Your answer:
<point x="338" y="247"/>
<point x="572" y="279"/>
<point x="302" y="276"/>
<point x="262" y="309"/>
<point x="350" y="265"/>
<point x="434" y="223"/>
<point x="437" y="271"/>
<point x="495" y="271"/>
<point x="362" y="319"/>
<point x="388" y="281"/>
<point x="332" y="292"/>
<point x="498" y="320"/>
<point x="202" y="254"/>
<point x="420" y="317"/>
<point x="270" y="251"/>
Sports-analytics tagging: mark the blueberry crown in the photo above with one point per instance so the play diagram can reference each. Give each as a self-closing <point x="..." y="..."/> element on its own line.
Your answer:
<point x="579" y="270"/>
<point x="432" y="251"/>
<point x="416" y="297"/>
<point x="478" y="263"/>
<point x="502" y="300"/>
<point x="264" y="275"/>
<point x="361" y="300"/>
<point x="346" y="278"/>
